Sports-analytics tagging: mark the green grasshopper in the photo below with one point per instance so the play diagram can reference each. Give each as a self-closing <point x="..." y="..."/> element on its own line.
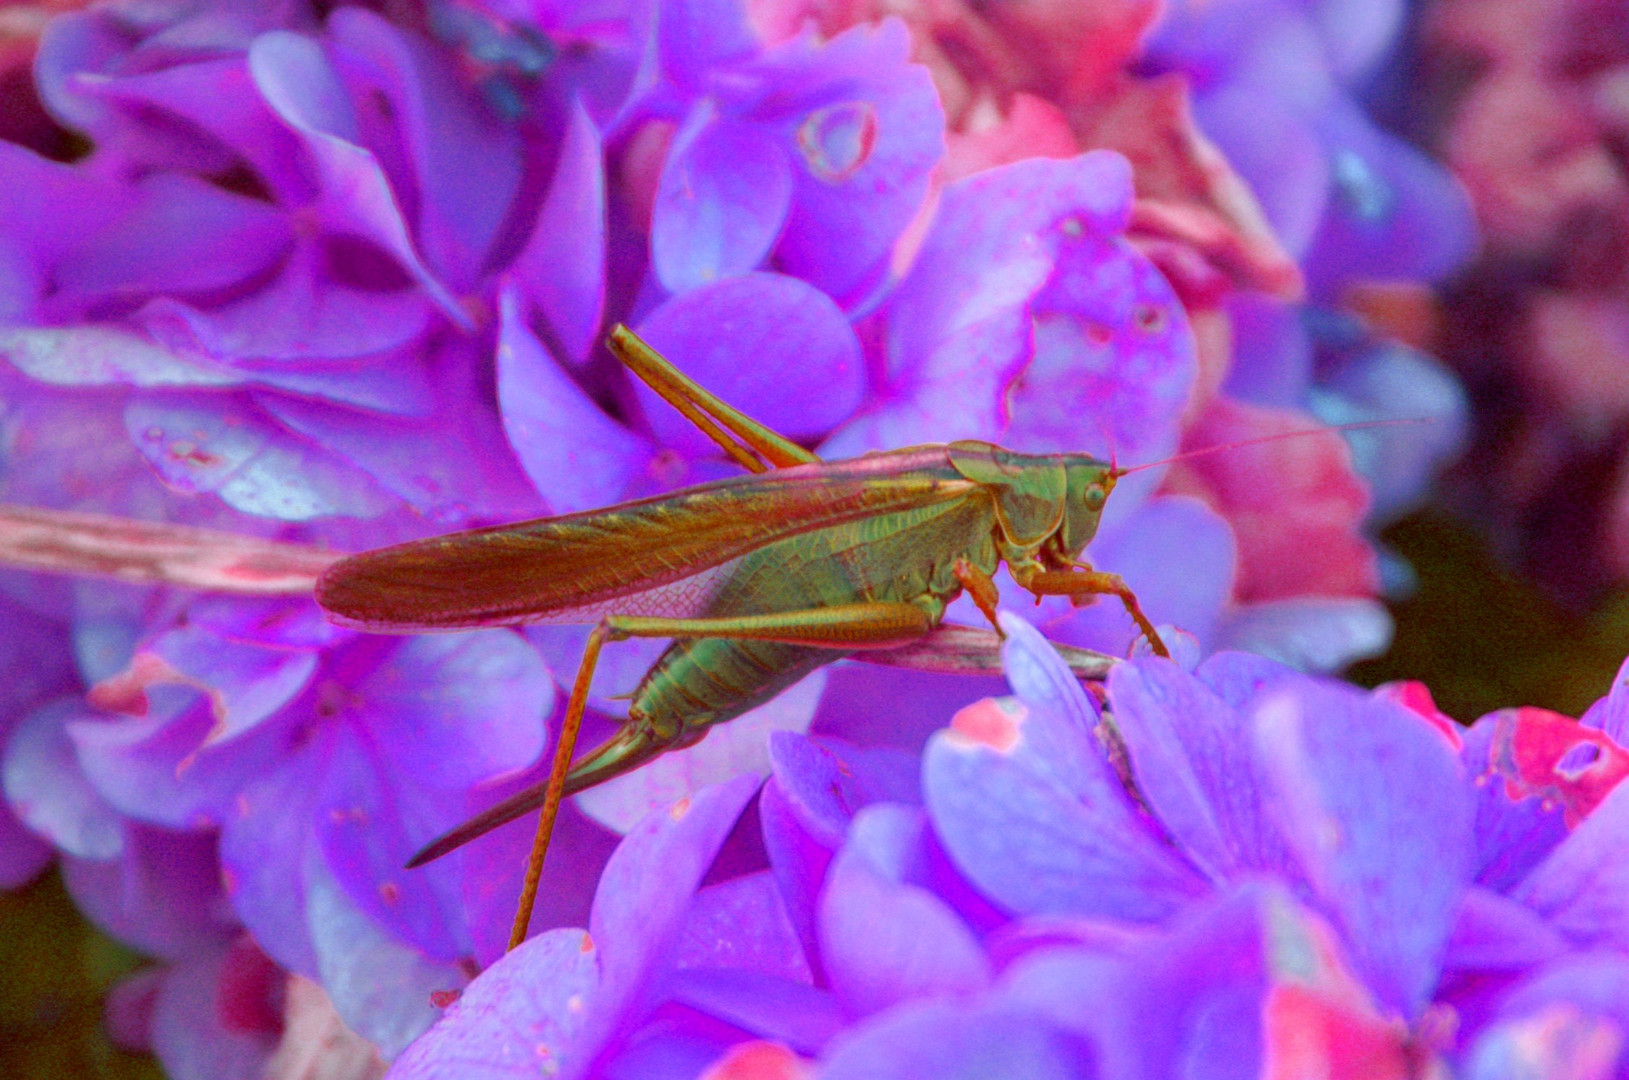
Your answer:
<point x="760" y="580"/>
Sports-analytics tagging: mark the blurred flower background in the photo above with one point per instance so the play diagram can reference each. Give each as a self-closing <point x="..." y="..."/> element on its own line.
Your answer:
<point x="338" y="275"/>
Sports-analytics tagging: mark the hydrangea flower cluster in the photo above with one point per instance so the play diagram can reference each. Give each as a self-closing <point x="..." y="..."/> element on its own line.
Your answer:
<point x="1234" y="871"/>
<point x="312" y="273"/>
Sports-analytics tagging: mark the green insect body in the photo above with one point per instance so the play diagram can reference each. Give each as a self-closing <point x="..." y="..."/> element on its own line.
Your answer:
<point x="908" y="556"/>
<point x="759" y="579"/>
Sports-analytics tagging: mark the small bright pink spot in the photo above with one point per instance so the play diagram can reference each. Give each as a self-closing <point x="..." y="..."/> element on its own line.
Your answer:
<point x="443" y="999"/>
<point x="587" y="945"/>
<point x="758" y="1061"/>
<point x="991" y="723"/>
<point x="838" y="139"/>
<point x="1416" y="698"/>
<point x="1542" y="753"/>
<point x="389" y="892"/>
<point x="679" y="810"/>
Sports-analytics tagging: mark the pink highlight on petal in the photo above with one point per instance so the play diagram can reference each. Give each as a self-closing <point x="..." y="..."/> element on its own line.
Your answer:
<point x="991" y="722"/>
<point x="1296" y="504"/>
<point x="126" y="692"/>
<point x="1310" y="1035"/>
<point x="1416" y="697"/>
<point x="679" y="809"/>
<point x="758" y="1061"/>
<point x="1542" y="753"/>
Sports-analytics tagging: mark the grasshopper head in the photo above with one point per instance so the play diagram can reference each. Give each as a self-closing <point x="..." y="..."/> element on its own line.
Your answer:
<point x="1089" y="484"/>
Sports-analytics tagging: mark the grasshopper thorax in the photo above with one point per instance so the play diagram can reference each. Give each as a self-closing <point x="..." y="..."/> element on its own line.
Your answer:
<point x="1050" y="500"/>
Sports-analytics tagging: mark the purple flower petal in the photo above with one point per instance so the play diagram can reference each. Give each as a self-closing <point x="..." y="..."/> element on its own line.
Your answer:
<point x="490" y="870"/>
<point x="158" y="768"/>
<point x="466" y="166"/>
<point x="245" y="683"/>
<point x="524" y="1013"/>
<point x="721" y="201"/>
<point x="994" y="243"/>
<point x="457" y="709"/>
<point x="764" y="338"/>
<point x="1494" y="933"/>
<point x="265" y="844"/>
<point x="697" y="36"/>
<point x="1611" y="713"/>
<point x="181" y="235"/>
<point x="299" y="83"/>
<point x="450" y="467"/>
<point x="23" y="855"/>
<point x="884" y="938"/>
<point x="742" y="924"/>
<point x="1035" y="818"/>
<point x="1398" y="462"/>
<point x="297" y="315"/>
<point x="1244" y="980"/>
<point x="1275" y="148"/>
<point x="1373" y="803"/>
<point x="576" y="455"/>
<point x="161" y="895"/>
<point x="214" y="96"/>
<point x="866" y="145"/>
<point x="958" y="1042"/>
<point x="1311" y="633"/>
<point x="1515" y="829"/>
<point x="826" y="781"/>
<point x="1582" y="886"/>
<point x="1192" y="762"/>
<point x="794" y="1014"/>
<point x="103" y="355"/>
<point x="1272" y="352"/>
<point x="1238" y="678"/>
<point x="48" y="792"/>
<point x="368" y="827"/>
<point x="798" y="859"/>
<point x="253" y="464"/>
<point x="1394" y="213"/>
<point x="1569" y="1020"/>
<point x="645" y="893"/>
<point x="194" y="1036"/>
<point x="380" y="987"/>
<point x="562" y="268"/>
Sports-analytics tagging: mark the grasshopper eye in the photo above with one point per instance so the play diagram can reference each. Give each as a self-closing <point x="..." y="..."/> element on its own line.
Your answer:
<point x="1095" y="497"/>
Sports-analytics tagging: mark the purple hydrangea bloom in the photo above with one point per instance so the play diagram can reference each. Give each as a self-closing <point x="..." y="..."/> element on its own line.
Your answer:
<point x="1223" y="870"/>
<point x="332" y="278"/>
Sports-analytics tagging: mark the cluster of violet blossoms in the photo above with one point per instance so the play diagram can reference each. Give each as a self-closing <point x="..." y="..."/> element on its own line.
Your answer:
<point x="334" y="278"/>
<point x="1237" y="870"/>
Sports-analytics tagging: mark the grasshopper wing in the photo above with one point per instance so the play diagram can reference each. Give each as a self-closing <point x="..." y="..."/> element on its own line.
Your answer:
<point x="656" y="556"/>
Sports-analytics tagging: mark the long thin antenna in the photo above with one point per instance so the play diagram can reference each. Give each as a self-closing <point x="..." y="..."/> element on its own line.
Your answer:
<point x="1357" y="425"/>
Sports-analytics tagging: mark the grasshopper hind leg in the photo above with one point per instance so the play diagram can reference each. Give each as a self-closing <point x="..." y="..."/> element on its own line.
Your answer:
<point x="715" y="419"/>
<point x="839" y="626"/>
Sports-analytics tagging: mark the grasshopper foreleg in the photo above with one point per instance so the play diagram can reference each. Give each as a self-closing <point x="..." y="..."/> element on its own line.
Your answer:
<point x="1085" y="581"/>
